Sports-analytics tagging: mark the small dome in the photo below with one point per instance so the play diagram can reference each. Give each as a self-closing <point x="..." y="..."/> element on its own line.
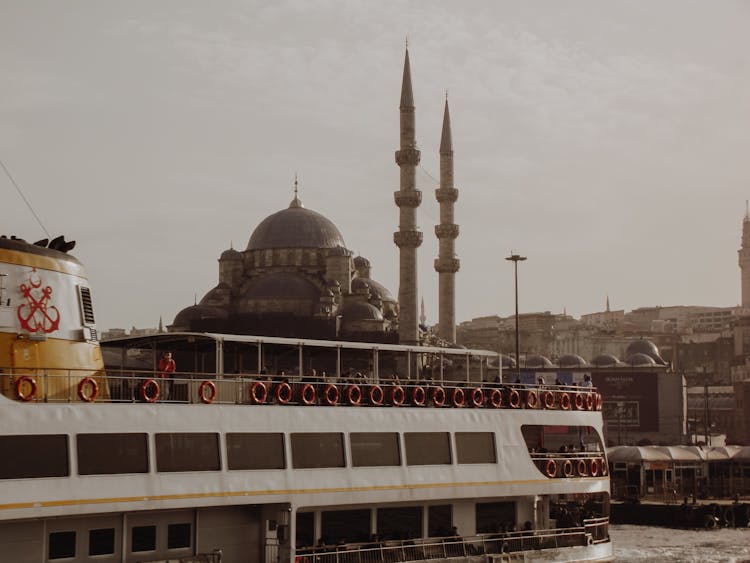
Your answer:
<point x="218" y="296"/>
<point x="640" y="360"/>
<point x="360" y="261"/>
<point x="643" y="346"/>
<point x="198" y="312"/>
<point x="536" y="361"/>
<point x="359" y="311"/>
<point x="281" y="285"/>
<point x="377" y="290"/>
<point x="295" y="227"/>
<point x="230" y="254"/>
<point x="605" y="361"/>
<point x="571" y="361"/>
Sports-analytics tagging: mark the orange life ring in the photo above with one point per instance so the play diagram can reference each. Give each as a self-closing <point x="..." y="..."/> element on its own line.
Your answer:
<point x="418" y="396"/>
<point x="283" y="393"/>
<point x="258" y="393"/>
<point x="603" y="469"/>
<point x="514" y="398"/>
<point x="330" y="394"/>
<point x="581" y="468"/>
<point x="458" y="397"/>
<point x="150" y="384"/>
<point x="477" y="397"/>
<point x="353" y="395"/>
<point x="496" y="398"/>
<point x="567" y="468"/>
<point x="590" y="401"/>
<point x="579" y="402"/>
<point x="375" y="395"/>
<point x="307" y="394"/>
<point x="594" y="467"/>
<point x="88" y="382"/>
<point x="550" y="468"/>
<point x="32" y="388"/>
<point x="532" y="399"/>
<point x="438" y="396"/>
<point x="398" y="396"/>
<point x="565" y="401"/>
<point x="207" y="397"/>
<point x="548" y="398"/>
<point x="599" y="401"/>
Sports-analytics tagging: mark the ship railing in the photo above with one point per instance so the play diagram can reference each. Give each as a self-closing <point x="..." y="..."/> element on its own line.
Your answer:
<point x="593" y="531"/>
<point x="125" y="385"/>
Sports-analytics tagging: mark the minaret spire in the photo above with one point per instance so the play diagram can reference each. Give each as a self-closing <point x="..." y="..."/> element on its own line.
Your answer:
<point x="607" y="303"/>
<point x="447" y="231"/>
<point x="744" y="259"/>
<point x="408" y="237"/>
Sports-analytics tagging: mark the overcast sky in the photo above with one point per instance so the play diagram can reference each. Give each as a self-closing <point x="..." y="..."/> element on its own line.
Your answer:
<point x="607" y="141"/>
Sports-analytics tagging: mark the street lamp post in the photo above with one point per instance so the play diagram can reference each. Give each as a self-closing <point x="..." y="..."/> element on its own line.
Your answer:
<point x="516" y="258"/>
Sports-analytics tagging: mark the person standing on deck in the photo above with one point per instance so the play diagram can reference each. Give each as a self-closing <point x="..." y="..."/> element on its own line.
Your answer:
<point x="167" y="366"/>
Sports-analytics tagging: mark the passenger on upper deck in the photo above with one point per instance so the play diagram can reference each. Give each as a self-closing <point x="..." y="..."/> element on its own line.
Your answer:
<point x="167" y="367"/>
<point x="586" y="381"/>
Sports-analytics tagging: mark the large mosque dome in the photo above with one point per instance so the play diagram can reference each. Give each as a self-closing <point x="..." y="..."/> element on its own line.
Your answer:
<point x="295" y="227"/>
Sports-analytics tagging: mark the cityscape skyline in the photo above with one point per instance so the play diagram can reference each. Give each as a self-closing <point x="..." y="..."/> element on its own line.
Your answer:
<point x="607" y="151"/>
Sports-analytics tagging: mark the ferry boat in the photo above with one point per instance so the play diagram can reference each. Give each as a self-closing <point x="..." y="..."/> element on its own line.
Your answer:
<point x="273" y="449"/>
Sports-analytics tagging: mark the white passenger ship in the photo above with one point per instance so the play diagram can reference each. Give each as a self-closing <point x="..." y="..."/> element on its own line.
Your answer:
<point x="271" y="449"/>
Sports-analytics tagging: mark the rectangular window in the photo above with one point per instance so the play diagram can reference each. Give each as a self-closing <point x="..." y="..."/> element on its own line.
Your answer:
<point x="187" y="452"/>
<point x="317" y="449"/>
<point x="29" y="456"/>
<point x="439" y="520"/>
<point x="304" y="529"/>
<point x="401" y="523"/>
<point x="374" y="449"/>
<point x="427" y="448"/>
<point x="179" y="536"/>
<point x="109" y="454"/>
<point x="255" y="451"/>
<point x="475" y="447"/>
<point x="62" y="545"/>
<point x="102" y="541"/>
<point x="143" y="538"/>
<point x="345" y="525"/>
<point x="491" y="516"/>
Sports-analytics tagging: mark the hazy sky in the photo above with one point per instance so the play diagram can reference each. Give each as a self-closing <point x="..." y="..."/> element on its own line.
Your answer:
<point x="607" y="141"/>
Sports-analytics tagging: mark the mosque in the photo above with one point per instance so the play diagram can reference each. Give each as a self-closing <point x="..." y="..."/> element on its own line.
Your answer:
<point x="297" y="278"/>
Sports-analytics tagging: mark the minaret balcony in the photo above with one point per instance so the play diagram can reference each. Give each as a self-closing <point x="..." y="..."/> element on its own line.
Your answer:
<point x="408" y="198"/>
<point x="408" y="155"/>
<point x="446" y="195"/>
<point x="447" y="265"/>
<point x="446" y="230"/>
<point x="407" y="239"/>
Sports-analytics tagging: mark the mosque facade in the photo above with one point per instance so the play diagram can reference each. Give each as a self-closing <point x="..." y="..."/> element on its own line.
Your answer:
<point x="297" y="278"/>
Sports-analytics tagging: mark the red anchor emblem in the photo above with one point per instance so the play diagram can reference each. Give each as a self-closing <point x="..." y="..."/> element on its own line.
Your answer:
<point x="36" y="315"/>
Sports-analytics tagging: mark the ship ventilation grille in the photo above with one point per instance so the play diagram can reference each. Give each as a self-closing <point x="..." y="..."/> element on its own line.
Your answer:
<point x="87" y="307"/>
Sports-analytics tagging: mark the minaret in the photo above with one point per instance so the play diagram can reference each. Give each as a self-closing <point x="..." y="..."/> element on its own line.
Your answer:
<point x="446" y="264"/>
<point x="744" y="258"/>
<point x="408" y="237"/>
<point x="422" y="316"/>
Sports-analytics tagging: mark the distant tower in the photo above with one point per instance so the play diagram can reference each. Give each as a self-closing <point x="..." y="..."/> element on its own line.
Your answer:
<point x="446" y="264"/>
<point x="744" y="256"/>
<point x="422" y="316"/>
<point x="607" y="303"/>
<point x="408" y="237"/>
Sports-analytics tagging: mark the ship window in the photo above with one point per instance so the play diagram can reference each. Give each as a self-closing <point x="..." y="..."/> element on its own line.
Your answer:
<point x="304" y="530"/>
<point x="542" y="438"/>
<point x="143" y="538"/>
<point x="439" y="520"/>
<point x="41" y="455"/>
<point x="62" y="545"/>
<point x="492" y="515"/>
<point x="400" y="523"/>
<point x="108" y="454"/>
<point x="427" y="448"/>
<point x="178" y="536"/>
<point x="187" y="452"/>
<point x="102" y="542"/>
<point x="317" y="449"/>
<point x="374" y="449"/>
<point x="255" y="451"/>
<point x="345" y="525"/>
<point x="475" y="447"/>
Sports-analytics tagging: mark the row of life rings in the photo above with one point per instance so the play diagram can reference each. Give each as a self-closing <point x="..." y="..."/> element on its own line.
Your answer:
<point x="552" y="400"/>
<point x="584" y="467"/>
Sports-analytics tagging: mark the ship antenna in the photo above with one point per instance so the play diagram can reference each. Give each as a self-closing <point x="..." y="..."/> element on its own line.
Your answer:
<point x="23" y="197"/>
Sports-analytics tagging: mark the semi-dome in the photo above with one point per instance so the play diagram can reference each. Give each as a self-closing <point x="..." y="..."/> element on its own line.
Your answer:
<point x="359" y="311"/>
<point x="376" y="289"/>
<point x="198" y="312"/>
<point x="571" y="361"/>
<point x="605" y="361"/>
<point x="643" y="346"/>
<point x="281" y="285"/>
<point x="640" y="360"/>
<point x="295" y="227"/>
